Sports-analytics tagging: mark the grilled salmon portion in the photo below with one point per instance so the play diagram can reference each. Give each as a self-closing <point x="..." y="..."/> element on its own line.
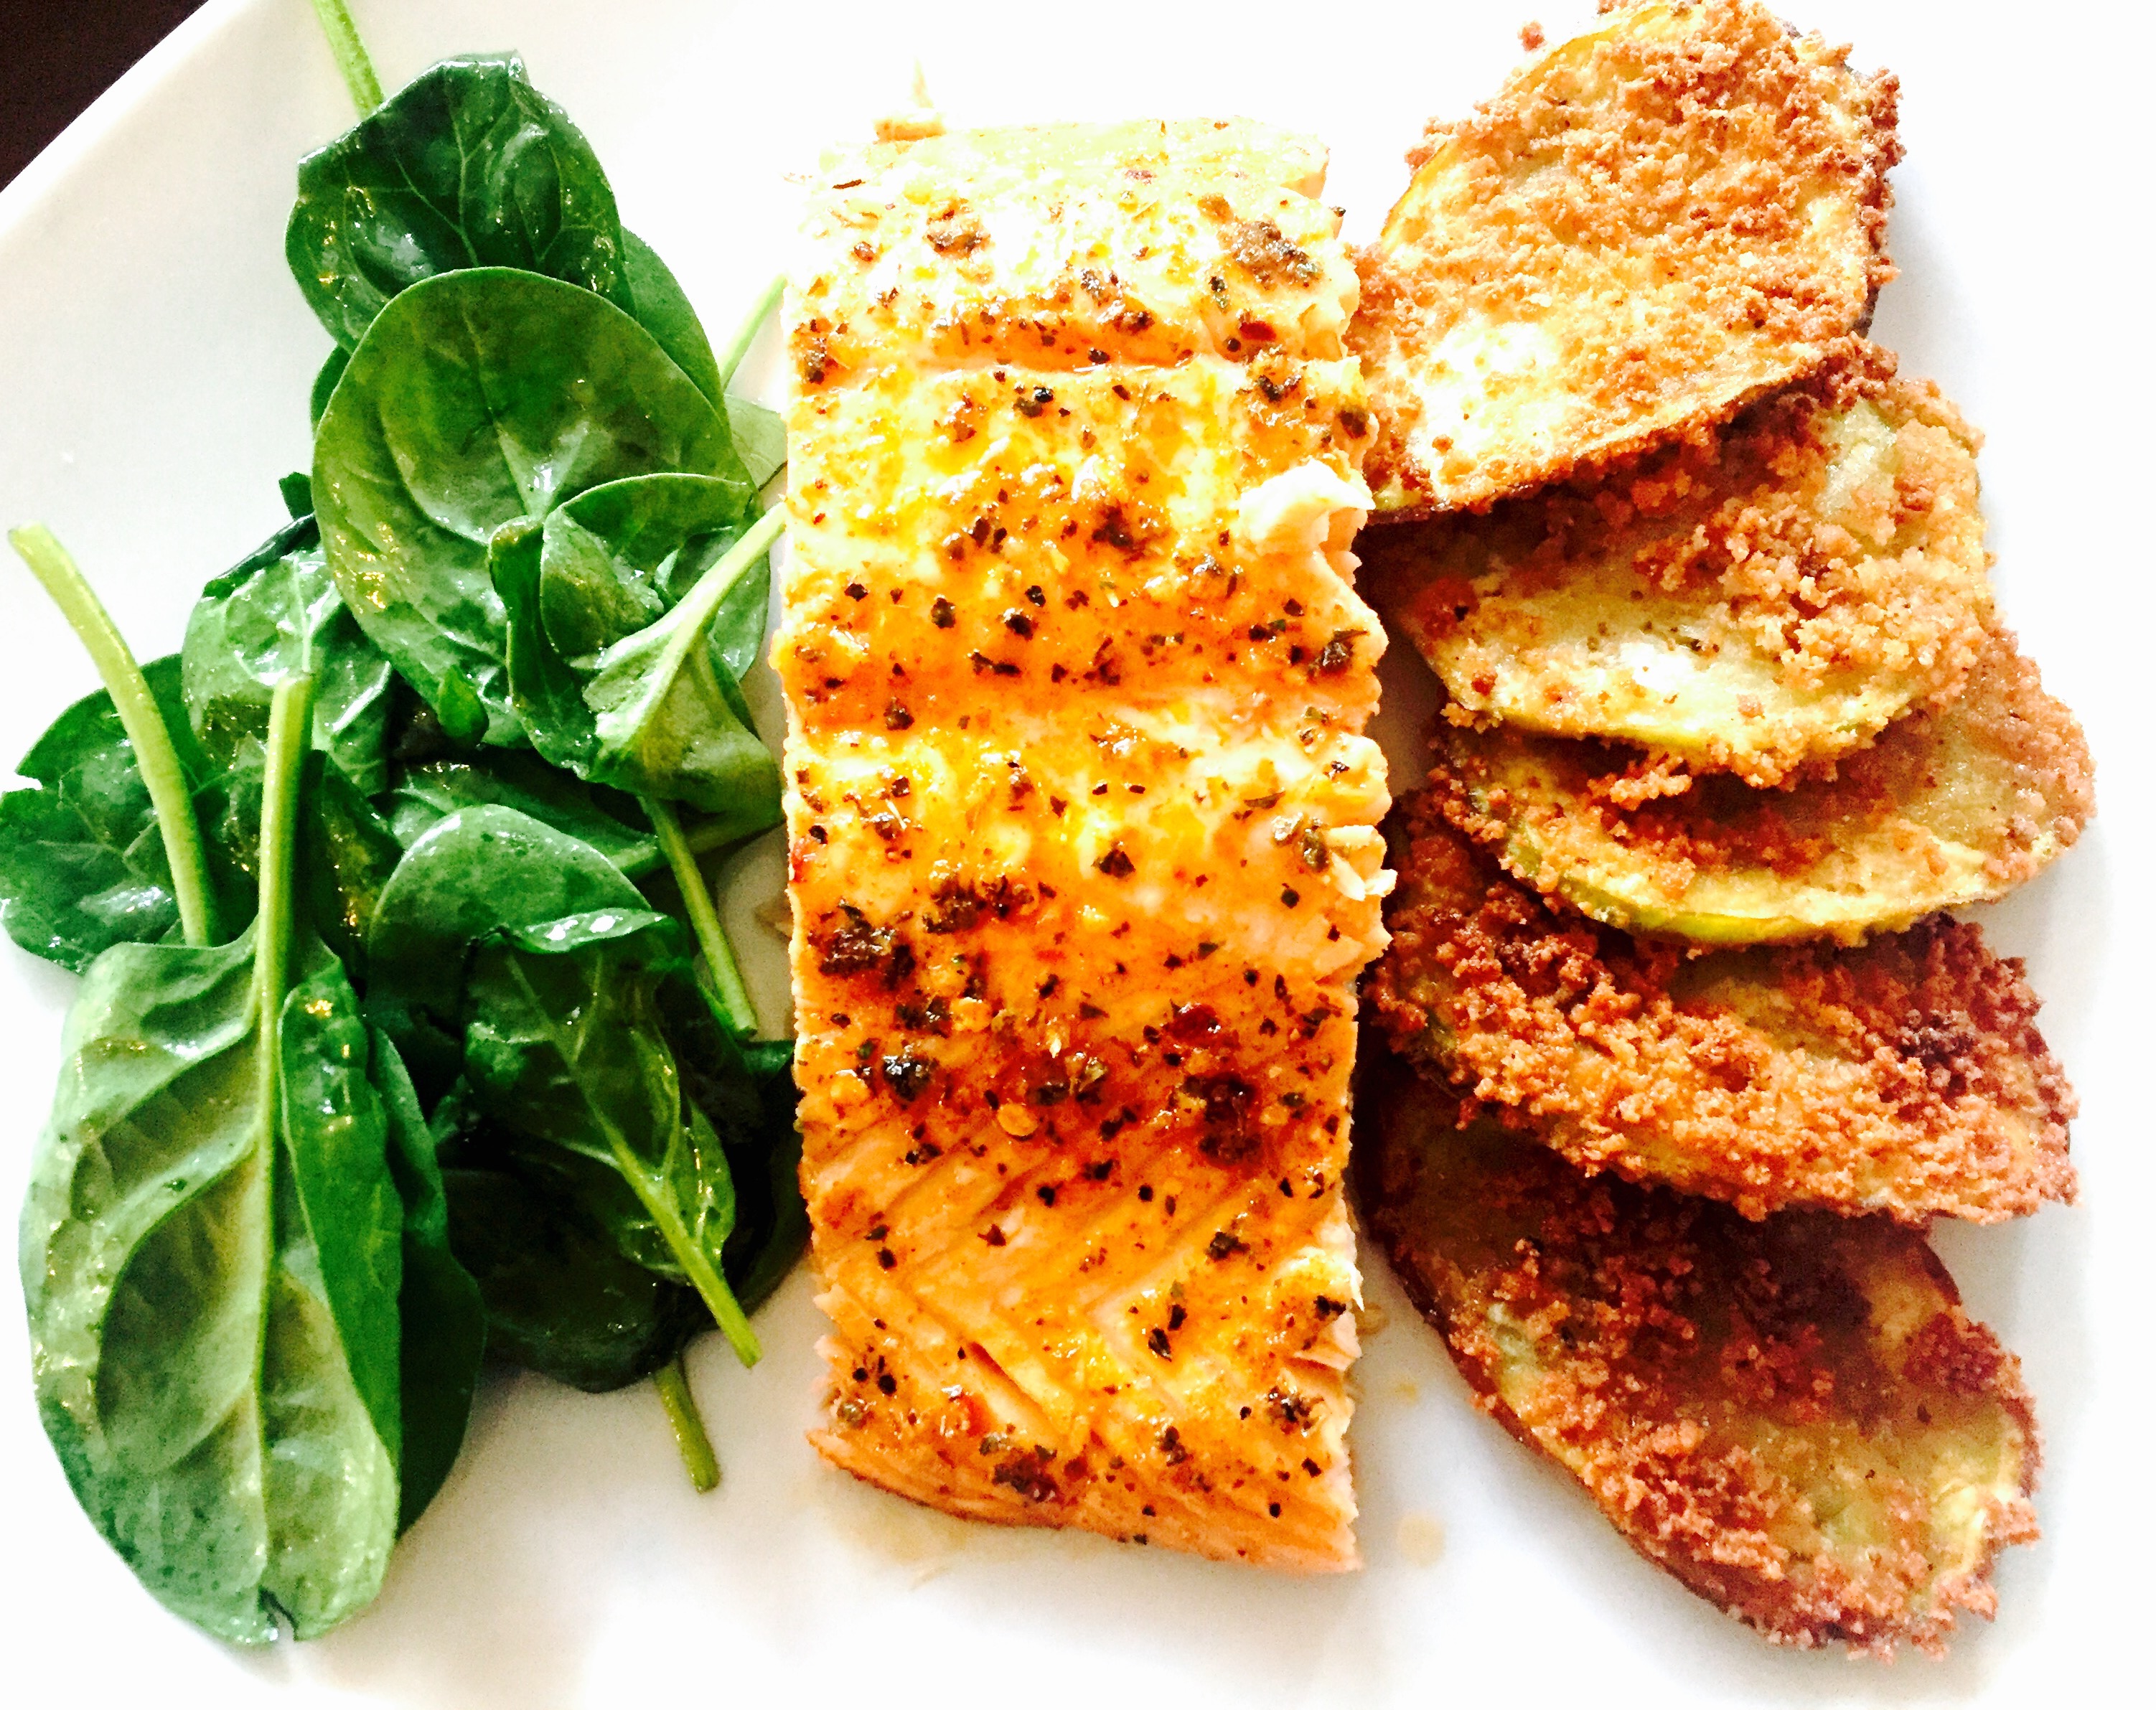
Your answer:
<point x="1084" y="862"/>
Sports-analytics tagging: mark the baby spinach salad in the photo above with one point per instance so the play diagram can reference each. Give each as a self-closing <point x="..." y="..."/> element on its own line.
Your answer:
<point x="408" y="1037"/>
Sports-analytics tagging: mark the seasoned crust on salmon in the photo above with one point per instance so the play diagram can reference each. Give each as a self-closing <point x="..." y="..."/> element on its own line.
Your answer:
<point x="1795" y="1418"/>
<point x="1646" y="227"/>
<point x="1906" y="1076"/>
<point x="1083" y="856"/>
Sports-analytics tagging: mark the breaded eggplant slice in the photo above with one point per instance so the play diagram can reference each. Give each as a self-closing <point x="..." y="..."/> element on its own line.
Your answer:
<point x="1646" y="227"/>
<point x="1796" y="1418"/>
<point x="1904" y="1076"/>
<point x="1748" y="600"/>
<point x="1944" y="809"/>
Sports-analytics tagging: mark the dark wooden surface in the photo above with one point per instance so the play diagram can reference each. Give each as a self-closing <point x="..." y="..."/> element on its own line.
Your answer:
<point x="58" y="56"/>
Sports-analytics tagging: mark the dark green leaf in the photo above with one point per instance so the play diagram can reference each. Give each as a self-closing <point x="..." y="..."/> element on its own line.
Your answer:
<point x="561" y="1298"/>
<point x="667" y="726"/>
<point x="475" y="399"/>
<point x="467" y="166"/>
<point x="346" y="853"/>
<point x="564" y="1049"/>
<point x="423" y="795"/>
<point x="661" y="307"/>
<point x="746" y="1088"/>
<point x="760" y="436"/>
<point x="439" y="1308"/>
<point x="617" y="558"/>
<point x="82" y="864"/>
<point x="275" y="614"/>
<point x="479" y="869"/>
<point x="212" y="1283"/>
<point x="318" y="395"/>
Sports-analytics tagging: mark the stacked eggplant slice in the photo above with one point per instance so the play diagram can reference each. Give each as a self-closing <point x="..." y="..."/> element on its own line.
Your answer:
<point x="1687" y="1052"/>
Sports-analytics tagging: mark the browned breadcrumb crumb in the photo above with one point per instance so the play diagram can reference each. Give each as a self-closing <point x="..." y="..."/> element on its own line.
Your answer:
<point x="1532" y="36"/>
<point x="1771" y="539"/>
<point x="1796" y="1418"/>
<point x="1642" y="230"/>
<point x="2004" y="769"/>
<point x="1906" y="1076"/>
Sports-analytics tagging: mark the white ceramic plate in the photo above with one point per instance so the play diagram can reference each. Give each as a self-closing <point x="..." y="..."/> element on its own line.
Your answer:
<point x="154" y="365"/>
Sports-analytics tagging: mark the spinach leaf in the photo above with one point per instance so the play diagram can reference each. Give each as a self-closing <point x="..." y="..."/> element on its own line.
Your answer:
<point x="274" y="614"/>
<point x="423" y="795"/>
<point x="319" y="395"/>
<point x="561" y="1297"/>
<point x="477" y="398"/>
<point x="655" y="297"/>
<point x="439" y="1308"/>
<point x="563" y="1049"/>
<point x="760" y="436"/>
<point x="478" y="869"/>
<point x="668" y="724"/>
<point x="656" y="710"/>
<point x="467" y="166"/>
<point x="745" y="1088"/>
<point x="211" y="1257"/>
<point x="82" y="860"/>
<point x="662" y="307"/>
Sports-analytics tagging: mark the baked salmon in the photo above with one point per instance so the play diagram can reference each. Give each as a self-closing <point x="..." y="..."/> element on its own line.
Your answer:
<point x="1081" y="820"/>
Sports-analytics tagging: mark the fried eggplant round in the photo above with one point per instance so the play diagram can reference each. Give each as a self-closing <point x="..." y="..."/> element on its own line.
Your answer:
<point x="1751" y="600"/>
<point x="1944" y="809"/>
<point x="1646" y="227"/>
<point x="1795" y="1418"/>
<point x="1904" y="1076"/>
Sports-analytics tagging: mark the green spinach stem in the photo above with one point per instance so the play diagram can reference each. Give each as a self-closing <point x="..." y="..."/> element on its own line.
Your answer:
<point x="727" y="983"/>
<point x="291" y="705"/>
<point x="350" y="54"/>
<point x="730" y="358"/>
<point x="688" y="1423"/>
<point x="154" y="754"/>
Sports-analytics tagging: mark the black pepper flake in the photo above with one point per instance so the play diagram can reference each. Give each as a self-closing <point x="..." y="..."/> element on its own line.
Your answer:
<point x="942" y="614"/>
<point x="1171" y="1448"/>
<point x="1157" y="1340"/>
<point x="994" y="1237"/>
<point x="1289" y="897"/>
<point x="1338" y="654"/>
<point x="1019" y="624"/>
<point x="1176" y="1317"/>
<point x="855" y="591"/>
<point x="1045" y="1193"/>
<point x="895" y="717"/>
<point x="1206" y="949"/>
<point x="889" y="1260"/>
<point x="1326" y="1307"/>
<point x="1273" y="1509"/>
<point x="1222" y="1244"/>
<point x="1116" y="864"/>
<point x="887" y="1384"/>
<point x="1037" y="594"/>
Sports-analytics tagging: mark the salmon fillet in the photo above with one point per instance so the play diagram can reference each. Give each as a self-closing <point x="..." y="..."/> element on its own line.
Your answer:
<point x="1083" y="856"/>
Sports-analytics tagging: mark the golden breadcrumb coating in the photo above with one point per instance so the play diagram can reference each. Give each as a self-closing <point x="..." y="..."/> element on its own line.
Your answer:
<point x="1750" y="598"/>
<point x="1944" y="810"/>
<point x="1906" y="1076"/>
<point x="1795" y="1418"/>
<point x="1645" y="228"/>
